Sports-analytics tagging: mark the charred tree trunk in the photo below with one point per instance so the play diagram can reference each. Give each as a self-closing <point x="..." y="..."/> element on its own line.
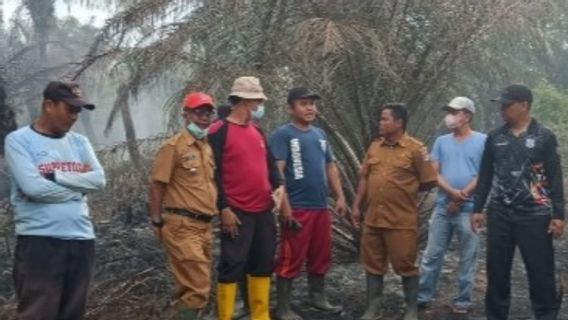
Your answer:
<point x="43" y="17"/>
<point x="121" y="103"/>
<point x="7" y="125"/>
<point x="7" y="118"/>
<point x="130" y="134"/>
<point x="42" y="13"/>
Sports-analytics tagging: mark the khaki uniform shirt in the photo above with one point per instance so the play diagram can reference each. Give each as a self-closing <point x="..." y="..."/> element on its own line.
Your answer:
<point x="186" y="165"/>
<point x="394" y="175"/>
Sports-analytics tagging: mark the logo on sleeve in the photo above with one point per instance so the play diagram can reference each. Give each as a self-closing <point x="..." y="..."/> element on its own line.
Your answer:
<point x="424" y="153"/>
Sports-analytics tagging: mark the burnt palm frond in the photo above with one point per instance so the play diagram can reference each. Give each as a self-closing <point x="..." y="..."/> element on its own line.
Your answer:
<point x="358" y="56"/>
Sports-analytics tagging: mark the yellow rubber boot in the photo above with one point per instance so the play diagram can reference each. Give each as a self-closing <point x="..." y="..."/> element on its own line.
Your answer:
<point x="259" y="297"/>
<point x="226" y="295"/>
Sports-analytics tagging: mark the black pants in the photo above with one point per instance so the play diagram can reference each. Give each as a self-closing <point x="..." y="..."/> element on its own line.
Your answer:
<point x="252" y="251"/>
<point x="52" y="277"/>
<point x="507" y="229"/>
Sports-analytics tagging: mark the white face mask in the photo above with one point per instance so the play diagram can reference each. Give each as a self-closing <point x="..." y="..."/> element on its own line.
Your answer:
<point x="451" y="121"/>
<point x="258" y="113"/>
<point x="197" y="131"/>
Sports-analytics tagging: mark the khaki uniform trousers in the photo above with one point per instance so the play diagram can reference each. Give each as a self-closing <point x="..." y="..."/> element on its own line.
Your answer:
<point x="189" y="244"/>
<point x="381" y="245"/>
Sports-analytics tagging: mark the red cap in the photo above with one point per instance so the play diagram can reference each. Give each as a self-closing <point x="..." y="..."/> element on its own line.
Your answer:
<point x="197" y="99"/>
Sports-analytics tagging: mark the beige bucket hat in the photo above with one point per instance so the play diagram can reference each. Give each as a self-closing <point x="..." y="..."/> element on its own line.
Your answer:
<point x="247" y="88"/>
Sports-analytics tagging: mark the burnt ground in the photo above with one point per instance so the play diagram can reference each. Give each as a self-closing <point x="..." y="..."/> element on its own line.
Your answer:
<point x="348" y="283"/>
<point x="132" y="282"/>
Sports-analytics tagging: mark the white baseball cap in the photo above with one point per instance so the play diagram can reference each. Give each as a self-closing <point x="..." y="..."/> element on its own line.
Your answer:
<point x="461" y="103"/>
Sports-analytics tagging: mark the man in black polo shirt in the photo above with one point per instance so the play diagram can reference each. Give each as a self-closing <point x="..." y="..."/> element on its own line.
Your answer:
<point x="526" y="208"/>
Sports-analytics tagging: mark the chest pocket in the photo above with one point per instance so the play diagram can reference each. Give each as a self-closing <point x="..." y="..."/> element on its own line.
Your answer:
<point x="374" y="165"/>
<point x="191" y="166"/>
<point x="502" y="149"/>
<point x="401" y="168"/>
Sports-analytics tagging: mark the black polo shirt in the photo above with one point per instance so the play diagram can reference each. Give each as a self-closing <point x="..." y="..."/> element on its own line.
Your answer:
<point x="524" y="172"/>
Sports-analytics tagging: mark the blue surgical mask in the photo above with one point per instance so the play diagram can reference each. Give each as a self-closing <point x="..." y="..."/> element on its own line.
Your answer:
<point x="196" y="131"/>
<point x="258" y="113"/>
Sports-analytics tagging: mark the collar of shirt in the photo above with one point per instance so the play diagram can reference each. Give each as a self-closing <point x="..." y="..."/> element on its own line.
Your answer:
<point x="531" y="130"/>
<point x="403" y="142"/>
<point x="190" y="139"/>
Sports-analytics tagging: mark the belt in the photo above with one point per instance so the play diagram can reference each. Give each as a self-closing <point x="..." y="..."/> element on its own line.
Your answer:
<point x="193" y="215"/>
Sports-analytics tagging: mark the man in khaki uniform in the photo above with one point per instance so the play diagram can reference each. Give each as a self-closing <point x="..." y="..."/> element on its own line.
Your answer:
<point x="183" y="200"/>
<point x="396" y="168"/>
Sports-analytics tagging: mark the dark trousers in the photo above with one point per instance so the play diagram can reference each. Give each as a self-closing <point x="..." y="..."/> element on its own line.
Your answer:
<point x="52" y="277"/>
<point x="252" y="251"/>
<point x="507" y="229"/>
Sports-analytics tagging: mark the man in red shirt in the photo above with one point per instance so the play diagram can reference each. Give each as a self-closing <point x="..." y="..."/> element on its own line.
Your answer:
<point x="246" y="178"/>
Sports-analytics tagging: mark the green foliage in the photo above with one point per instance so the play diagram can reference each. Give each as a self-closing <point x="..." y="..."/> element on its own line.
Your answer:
<point x="551" y="107"/>
<point x="551" y="104"/>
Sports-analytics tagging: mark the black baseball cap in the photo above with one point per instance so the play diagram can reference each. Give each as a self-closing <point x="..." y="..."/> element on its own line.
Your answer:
<point x="514" y="93"/>
<point x="301" y="93"/>
<point x="67" y="92"/>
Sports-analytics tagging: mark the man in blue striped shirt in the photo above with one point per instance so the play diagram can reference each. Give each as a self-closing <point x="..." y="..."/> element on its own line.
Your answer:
<point x="52" y="171"/>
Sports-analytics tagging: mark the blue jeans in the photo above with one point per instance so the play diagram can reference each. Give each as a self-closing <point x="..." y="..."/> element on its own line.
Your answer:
<point x="442" y="227"/>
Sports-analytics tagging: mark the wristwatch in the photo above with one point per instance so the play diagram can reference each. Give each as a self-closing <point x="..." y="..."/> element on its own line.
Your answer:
<point x="158" y="224"/>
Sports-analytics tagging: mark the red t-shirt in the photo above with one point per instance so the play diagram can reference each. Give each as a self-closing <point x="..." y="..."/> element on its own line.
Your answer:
<point x="245" y="177"/>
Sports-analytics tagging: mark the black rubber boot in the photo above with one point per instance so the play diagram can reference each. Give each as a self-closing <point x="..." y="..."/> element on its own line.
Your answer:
<point x="318" y="299"/>
<point x="185" y="313"/>
<point x="283" y="297"/>
<point x="410" y="286"/>
<point x="374" y="309"/>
